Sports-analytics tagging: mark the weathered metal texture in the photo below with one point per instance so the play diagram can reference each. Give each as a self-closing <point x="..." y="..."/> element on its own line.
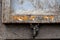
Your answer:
<point x="18" y="31"/>
<point x="5" y="10"/>
<point x="35" y="7"/>
<point x="40" y="9"/>
<point x="37" y="19"/>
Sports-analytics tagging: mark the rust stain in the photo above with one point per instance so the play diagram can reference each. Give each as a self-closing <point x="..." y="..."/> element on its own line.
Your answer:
<point x="32" y="17"/>
<point x="45" y="17"/>
<point x="51" y="17"/>
<point x="48" y="17"/>
<point x="16" y="17"/>
<point x="23" y="18"/>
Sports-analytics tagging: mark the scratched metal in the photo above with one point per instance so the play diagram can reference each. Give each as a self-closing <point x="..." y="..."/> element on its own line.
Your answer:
<point x="30" y="7"/>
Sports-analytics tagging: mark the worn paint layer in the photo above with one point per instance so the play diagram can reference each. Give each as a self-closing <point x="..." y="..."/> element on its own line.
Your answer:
<point x="30" y="11"/>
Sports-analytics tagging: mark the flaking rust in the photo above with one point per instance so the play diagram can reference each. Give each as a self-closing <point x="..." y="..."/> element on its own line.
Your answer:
<point x="48" y="17"/>
<point x="24" y="18"/>
<point x="31" y="18"/>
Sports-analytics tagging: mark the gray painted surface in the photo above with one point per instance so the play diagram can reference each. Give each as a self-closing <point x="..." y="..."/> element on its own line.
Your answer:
<point x="12" y="15"/>
<point x="18" y="31"/>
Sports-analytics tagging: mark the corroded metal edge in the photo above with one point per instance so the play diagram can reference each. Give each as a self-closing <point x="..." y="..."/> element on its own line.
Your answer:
<point x="38" y="19"/>
<point x="42" y="19"/>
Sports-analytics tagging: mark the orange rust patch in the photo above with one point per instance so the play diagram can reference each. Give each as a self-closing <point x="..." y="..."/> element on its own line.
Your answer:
<point x="32" y="17"/>
<point x="23" y="18"/>
<point x="51" y="17"/>
<point x="20" y="17"/>
<point x="15" y="18"/>
<point x="48" y="17"/>
<point x="45" y="17"/>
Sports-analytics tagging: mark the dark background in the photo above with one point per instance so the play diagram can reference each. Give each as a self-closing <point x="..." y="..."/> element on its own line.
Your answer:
<point x="23" y="31"/>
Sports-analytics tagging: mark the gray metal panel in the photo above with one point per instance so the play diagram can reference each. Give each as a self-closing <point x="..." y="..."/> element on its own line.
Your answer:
<point x="30" y="8"/>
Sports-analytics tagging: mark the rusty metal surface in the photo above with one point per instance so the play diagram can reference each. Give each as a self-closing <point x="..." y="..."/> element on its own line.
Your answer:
<point x="18" y="31"/>
<point x="12" y="8"/>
